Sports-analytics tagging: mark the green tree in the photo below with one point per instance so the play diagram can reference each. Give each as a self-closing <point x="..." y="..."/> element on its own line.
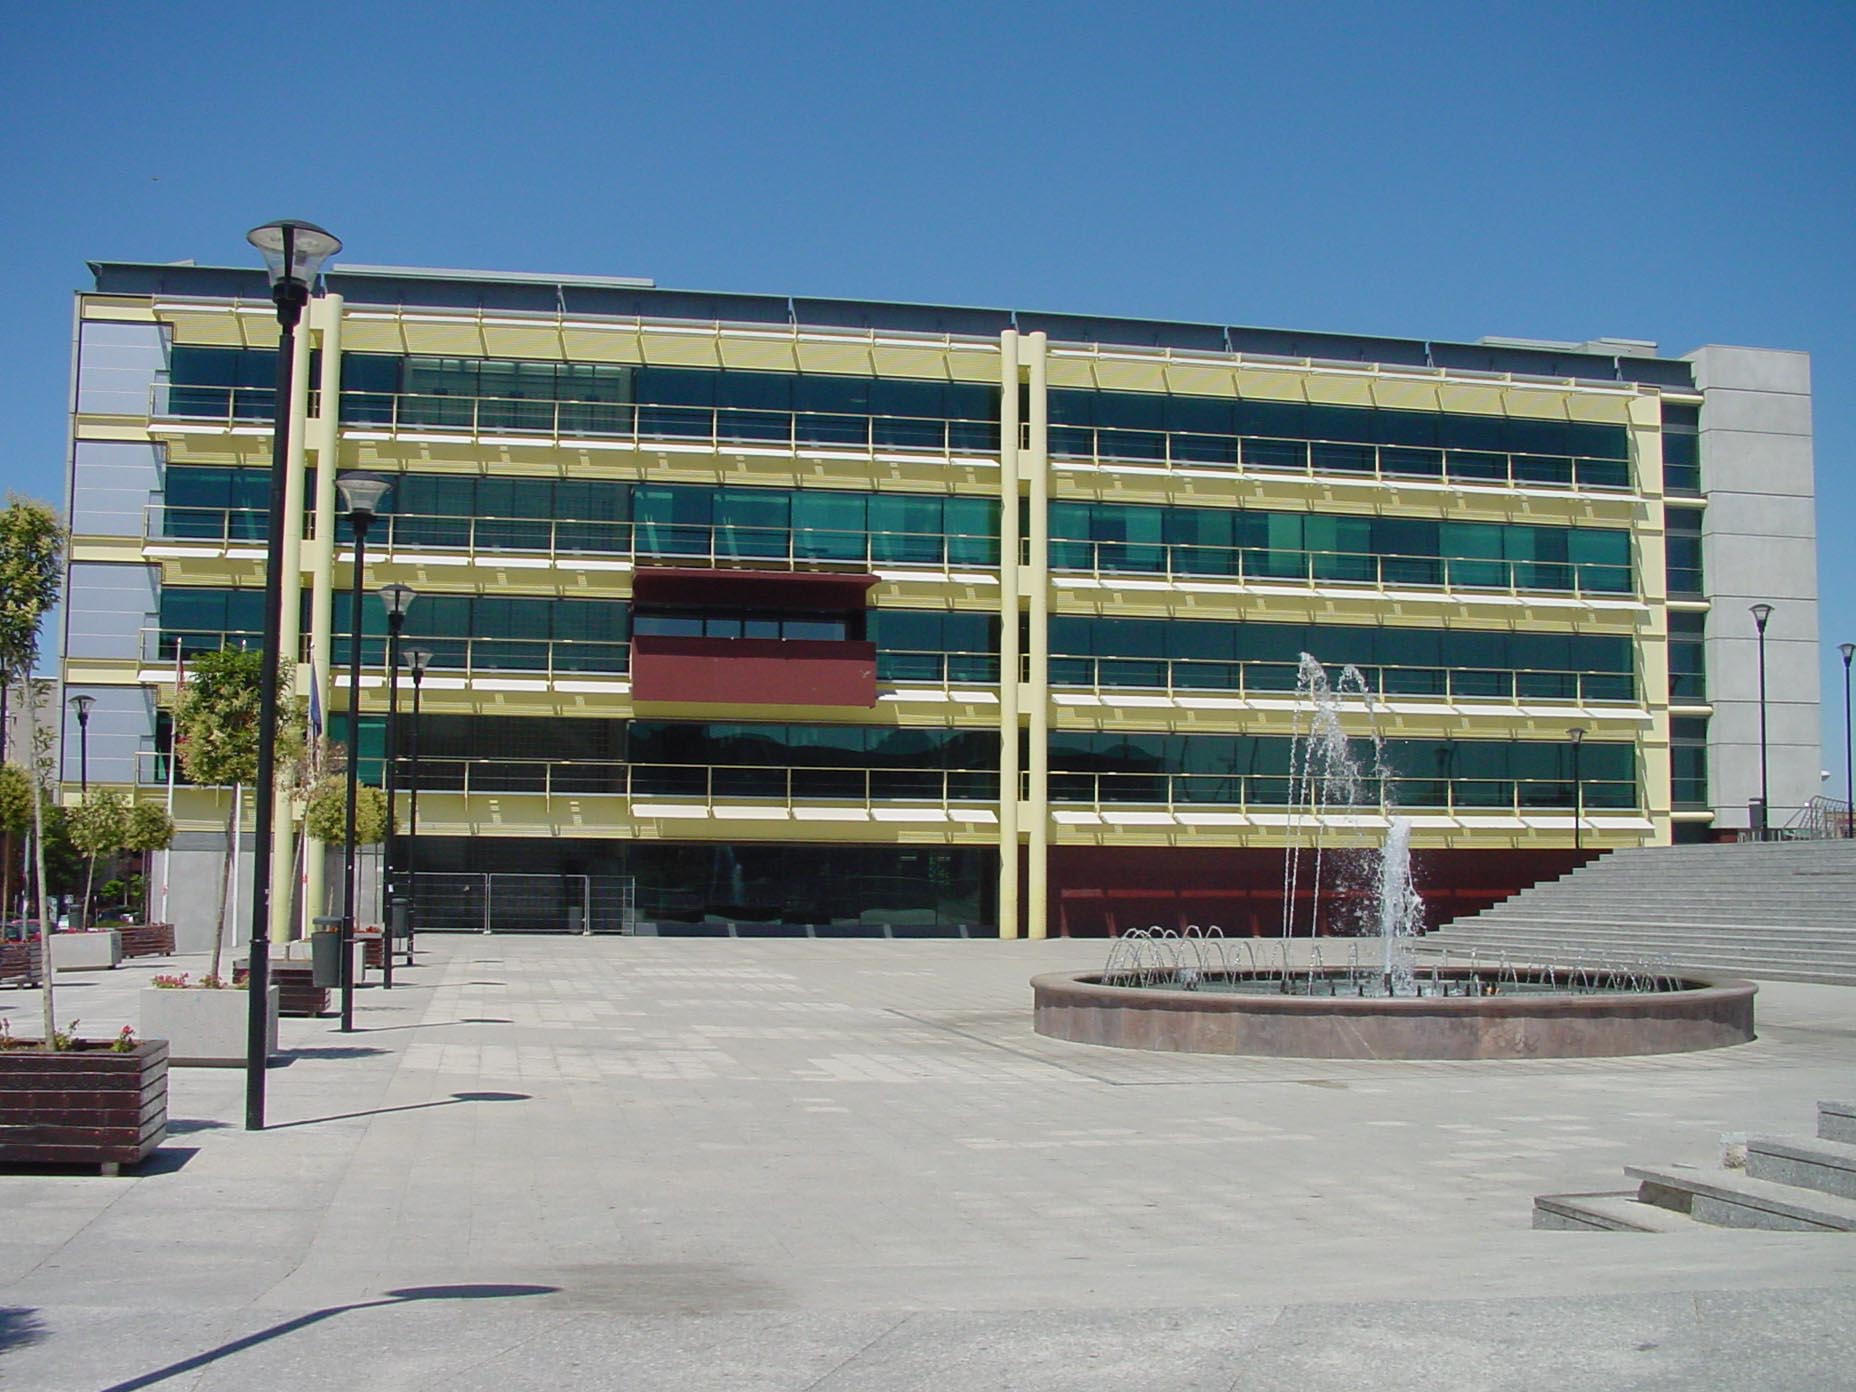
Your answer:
<point x="15" y="817"/>
<point x="326" y="816"/>
<point x="31" y="571"/>
<point x="216" y="731"/>
<point x="99" y="826"/>
<point x="149" y="829"/>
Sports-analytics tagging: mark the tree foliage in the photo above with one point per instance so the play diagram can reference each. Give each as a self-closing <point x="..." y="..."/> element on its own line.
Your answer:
<point x="326" y="816"/>
<point x="99" y="824"/>
<point x="216" y="718"/>
<point x="148" y="828"/>
<point x="15" y="799"/>
<point x="31" y="571"/>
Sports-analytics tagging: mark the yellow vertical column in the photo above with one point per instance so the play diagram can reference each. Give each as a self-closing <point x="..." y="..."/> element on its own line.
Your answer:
<point x="1655" y="763"/>
<point x="325" y="315"/>
<point x="1008" y="633"/>
<point x="290" y="638"/>
<point x="1035" y="462"/>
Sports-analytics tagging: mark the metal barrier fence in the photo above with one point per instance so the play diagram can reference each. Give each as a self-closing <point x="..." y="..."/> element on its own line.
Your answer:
<point x="464" y="902"/>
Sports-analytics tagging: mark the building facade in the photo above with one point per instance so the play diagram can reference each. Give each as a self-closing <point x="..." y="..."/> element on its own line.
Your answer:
<point x="762" y="614"/>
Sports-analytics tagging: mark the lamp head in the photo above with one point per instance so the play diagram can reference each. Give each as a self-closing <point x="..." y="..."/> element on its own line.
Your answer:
<point x="82" y="705"/>
<point x="1760" y="613"/>
<point x="398" y="599"/>
<point x="418" y="659"/>
<point x="1848" y="650"/>
<point x="293" y="250"/>
<point x="362" y="494"/>
<point x="1576" y="735"/>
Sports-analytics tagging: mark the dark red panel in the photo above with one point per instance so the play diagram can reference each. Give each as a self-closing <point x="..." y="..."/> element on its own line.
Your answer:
<point x="785" y="590"/>
<point x="1109" y="889"/>
<point x="753" y="671"/>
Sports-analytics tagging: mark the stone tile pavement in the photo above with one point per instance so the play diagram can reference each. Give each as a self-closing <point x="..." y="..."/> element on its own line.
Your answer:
<point x="640" y="1163"/>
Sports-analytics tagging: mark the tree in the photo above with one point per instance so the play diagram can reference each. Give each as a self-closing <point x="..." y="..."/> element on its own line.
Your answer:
<point x="31" y="573"/>
<point x="326" y="817"/>
<point x="149" y="829"/>
<point x="15" y="817"/>
<point x="99" y="826"/>
<point x="216" y="729"/>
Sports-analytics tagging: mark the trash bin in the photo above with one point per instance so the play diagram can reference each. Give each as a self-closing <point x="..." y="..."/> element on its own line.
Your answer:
<point x="325" y="952"/>
<point x="576" y="919"/>
<point x="401" y="920"/>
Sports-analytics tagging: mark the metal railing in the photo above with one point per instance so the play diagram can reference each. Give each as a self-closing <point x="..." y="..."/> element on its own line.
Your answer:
<point x="1366" y="569"/>
<point x="705" y="783"/>
<point x="1245" y="792"/>
<point x="502" y="902"/>
<point x="643" y="422"/>
<point x="1176" y="676"/>
<point x="1272" y="455"/>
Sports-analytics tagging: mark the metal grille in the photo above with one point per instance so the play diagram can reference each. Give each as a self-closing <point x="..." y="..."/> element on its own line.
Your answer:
<point x="511" y="903"/>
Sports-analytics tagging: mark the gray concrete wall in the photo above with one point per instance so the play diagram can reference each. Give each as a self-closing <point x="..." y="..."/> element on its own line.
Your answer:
<point x="1759" y="545"/>
<point x="117" y="365"/>
<point x="193" y="887"/>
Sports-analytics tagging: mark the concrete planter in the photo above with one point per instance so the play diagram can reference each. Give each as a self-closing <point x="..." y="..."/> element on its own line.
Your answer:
<point x="98" y="950"/>
<point x="86" y="1106"/>
<point x="203" y="1028"/>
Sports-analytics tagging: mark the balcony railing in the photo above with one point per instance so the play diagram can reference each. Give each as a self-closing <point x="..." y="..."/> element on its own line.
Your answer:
<point x="1365" y="569"/>
<point x="640" y="422"/>
<point x="1249" y="792"/>
<point x="1194" y="676"/>
<point x="1184" y="449"/>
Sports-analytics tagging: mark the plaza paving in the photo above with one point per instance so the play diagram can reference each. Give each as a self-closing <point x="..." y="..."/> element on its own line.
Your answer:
<point x="636" y="1163"/>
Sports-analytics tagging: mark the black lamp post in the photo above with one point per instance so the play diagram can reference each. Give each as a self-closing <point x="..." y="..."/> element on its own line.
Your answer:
<point x="1762" y="614"/>
<point x="1577" y="736"/>
<point x="82" y="705"/>
<point x="361" y="498"/>
<point x="398" y="599"/>
<point x="1849" y="784"/>
<point x="418" y="659"/>
<point x="294" y="253"/>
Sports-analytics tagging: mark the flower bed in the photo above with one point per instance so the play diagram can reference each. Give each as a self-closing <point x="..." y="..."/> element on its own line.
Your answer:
<point x="85" y="1105"/>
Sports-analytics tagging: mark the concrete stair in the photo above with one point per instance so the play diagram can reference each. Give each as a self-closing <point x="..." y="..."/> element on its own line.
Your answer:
<point x="1788" y="1185"/>
<point x="1780" y="910"/>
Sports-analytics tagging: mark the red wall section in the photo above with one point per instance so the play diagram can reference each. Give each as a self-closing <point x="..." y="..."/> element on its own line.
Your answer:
<point x="1098" y="890"/>
<point x="753" y="671"/>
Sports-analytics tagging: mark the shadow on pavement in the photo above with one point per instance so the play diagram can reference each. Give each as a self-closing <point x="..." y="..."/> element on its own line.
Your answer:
<point x="450" y="1101"/>
<point x="290" y="1326"/>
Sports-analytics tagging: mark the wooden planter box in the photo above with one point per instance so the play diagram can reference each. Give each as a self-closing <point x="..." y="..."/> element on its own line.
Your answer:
<point x="297" y="993"/>
<point x="20" y="962"/>
<point x="89" y="1106"/>
<point x="204" y="1029"/>
<point x="147" y="939"/>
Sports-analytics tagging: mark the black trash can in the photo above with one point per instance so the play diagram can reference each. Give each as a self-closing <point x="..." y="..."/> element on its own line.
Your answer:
<point x="325" y="953"/>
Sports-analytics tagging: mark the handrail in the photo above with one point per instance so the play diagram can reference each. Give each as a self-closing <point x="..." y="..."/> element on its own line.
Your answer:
<point x="1250" y="677"/>
<point x="1368" y="569"/>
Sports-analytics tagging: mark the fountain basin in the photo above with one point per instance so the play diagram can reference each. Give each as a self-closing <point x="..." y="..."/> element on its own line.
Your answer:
<point x="1531" y="1023"/>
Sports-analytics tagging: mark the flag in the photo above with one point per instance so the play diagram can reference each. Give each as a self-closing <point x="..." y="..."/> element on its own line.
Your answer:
<point x="315" y="710"/>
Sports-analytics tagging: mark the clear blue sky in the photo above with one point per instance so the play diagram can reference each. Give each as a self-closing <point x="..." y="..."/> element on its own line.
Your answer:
<point x="1677" y="172"/>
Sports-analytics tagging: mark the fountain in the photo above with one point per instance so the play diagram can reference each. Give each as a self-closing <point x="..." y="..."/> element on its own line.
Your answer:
<point x="1186" y="991"/>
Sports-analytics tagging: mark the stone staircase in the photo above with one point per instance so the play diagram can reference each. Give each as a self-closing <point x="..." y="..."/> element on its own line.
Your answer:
<point x="1787" y="1185"/>
<point x="1783" y="910"/>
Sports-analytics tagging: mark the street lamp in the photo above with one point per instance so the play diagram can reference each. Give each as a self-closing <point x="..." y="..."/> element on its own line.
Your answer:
<point x="361" y="498"/>
<point x="398" y="599"/>
<point x="1577" y="736"/>
<point x="1849" y="784"/>
<point x="418" y="659"/>
<point x="1762" y="614"/>
<point x="294" y="252"/>
<point x="82" y="705"/>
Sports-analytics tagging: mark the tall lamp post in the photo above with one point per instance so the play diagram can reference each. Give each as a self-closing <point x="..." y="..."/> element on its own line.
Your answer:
<point x="418" y="659"/>
<point x="82" y="705"/>
<point x="1849" y="784"/>
<point x="1577" y="736"/>
<point x="294" y="253"/>
<point x="1762" y="614"/>
<point x="361" y="499"/>
<point x="398" y="599"/>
